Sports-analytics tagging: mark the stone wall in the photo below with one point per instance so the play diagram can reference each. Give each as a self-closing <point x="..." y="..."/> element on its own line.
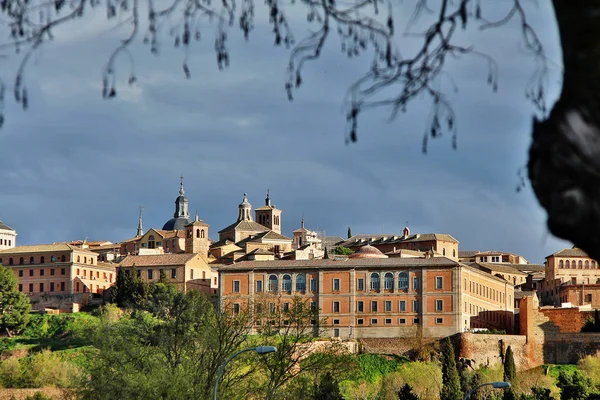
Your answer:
<point x="487" y="350"/>
<point x="567" y="319"/>
<point x="397" y="346"/>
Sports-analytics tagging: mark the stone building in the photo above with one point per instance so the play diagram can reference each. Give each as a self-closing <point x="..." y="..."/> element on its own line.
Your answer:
<point x="566" y="270"/>
<point x="58" y="275"/>
<point x="371" y="295"/>
<point x="441" y="244"/>
<point x="8" y="237"/>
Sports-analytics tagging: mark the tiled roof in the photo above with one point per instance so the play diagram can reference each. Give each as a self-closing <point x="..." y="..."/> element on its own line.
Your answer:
<point x="573" y="252"/>
<point x="6" y="227"/>
<point x="478" y="268"/>
<point x="275" y="236"/>
<point x="332" y="239"/>
<point x="221" y="243"/>
<point x="467" y="253"/>
<point x="407" y="252"/>
<point x="40" y="248"/>
<point x="519" y="294"/>
<point x="245" y="226"/>
<point x="497" y="267"/>
<point x="345" y="263"/>
<point x="107" y="247"/>
<point x="361" y="240"/>
<point x="261" y="252"/>
<point x="135" y="239"/>
<point x="157" y="260"/>
<point x="266" y="208"/>
<point x="529" y="267"/>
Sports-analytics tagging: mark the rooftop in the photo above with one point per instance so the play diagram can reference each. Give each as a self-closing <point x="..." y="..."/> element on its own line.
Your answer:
<point x="157" y="260"/>
<point x="5" y="227"/>
<point x="41" y="248"/>
<point x="572" y="252"/>
<point x="361" y="240"/>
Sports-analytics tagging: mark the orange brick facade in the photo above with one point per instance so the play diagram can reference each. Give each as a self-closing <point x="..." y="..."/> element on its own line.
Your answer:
<point x="376" y="298"/>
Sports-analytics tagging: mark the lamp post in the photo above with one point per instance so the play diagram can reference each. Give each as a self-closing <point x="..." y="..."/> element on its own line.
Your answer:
<point x="258" y="350"/>
<point x="495" y="385"/>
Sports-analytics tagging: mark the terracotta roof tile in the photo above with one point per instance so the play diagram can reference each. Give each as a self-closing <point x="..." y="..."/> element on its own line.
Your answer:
<point x="39" y="248"/>
<point x="573" y="252"/>
<point x="245" y="226"/>
<point x="157" y="260"/>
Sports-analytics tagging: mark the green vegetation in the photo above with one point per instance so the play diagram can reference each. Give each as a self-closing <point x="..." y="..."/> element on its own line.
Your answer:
<point x="342" y="251"/>
<point x="14" y="305"/>
<point x="451" y="389"/>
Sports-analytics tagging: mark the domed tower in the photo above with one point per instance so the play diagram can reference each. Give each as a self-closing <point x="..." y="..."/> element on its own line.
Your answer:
<point x="196" y="238"/>
<point x="181" y="217"/>
<point x="245" y="210"/>
<point x="269" y="216"/>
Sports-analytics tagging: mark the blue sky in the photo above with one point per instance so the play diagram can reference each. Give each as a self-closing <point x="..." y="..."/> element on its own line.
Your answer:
<point x="75" y="165"/>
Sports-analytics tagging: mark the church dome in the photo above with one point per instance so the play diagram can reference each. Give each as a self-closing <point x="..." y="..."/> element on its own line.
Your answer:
<point x="368" y="251"/>
<point x="176" y="224"/>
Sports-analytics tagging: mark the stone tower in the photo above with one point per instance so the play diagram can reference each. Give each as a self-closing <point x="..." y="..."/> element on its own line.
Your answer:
<point x="269" y="216"/>
<point x="196" y="238"/>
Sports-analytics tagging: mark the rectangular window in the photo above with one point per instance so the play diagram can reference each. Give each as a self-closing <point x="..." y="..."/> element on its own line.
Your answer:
<point x="42" y="272"/>
<point x="416" y="321"/>
<point x="336" y="285"/>
<point x="416" y="283"/>
<point x="360" y="306"/>
<point x="336" y="321"/>
<point x="52" y="286"/>
<point x="30" y="272"/>
<point x="402" y="306"/>
<point x="373" y="305"/>
<point x="20" y="287"/>
<point x="150" y="274"/>
<point x="336" y="332"/>
<point x="416" y="306"/>
<point x="336" y="306"/>
<point x="286" y="307"/>
<point x="259" y="287"/>
<point x="439" y="305"/>
<point x="20" y="272"/>
<point x="439" y="282"/>
<point x="236" y="308"/>
<point x="272" y="308"/>
<point x="402" y="321"/>
<point x="31" y="287"/>
<point x="439" y="320"/>
<point x="360" y="284"/>
<point x="313" y="285"/>
<point x="191" y="274"/>
<point x="52" y="272"/>
<point x="63" y="271"/>
<point x="388" y="306"/>
<point x="374" y="321"/>
<point x="236" y="286"/>
<point x="62" y="286"/>
<point x="360" y="321"/>
<point x="313" y="306"/>
<point x="173" y="273"/>
<point x="41" y="287"/>
<point x="388" y="321"/>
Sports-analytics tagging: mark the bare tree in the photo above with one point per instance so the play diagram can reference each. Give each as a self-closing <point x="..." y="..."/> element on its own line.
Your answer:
<point x="563" y="166"/>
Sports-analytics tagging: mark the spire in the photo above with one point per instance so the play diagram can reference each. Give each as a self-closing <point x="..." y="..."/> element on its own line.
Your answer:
<point x="302" y="223"/>
<point x="268" y="199"/>
<point x="196" y="218"/>
<point x="181" y="191"/>
<point x="140" y="228"/>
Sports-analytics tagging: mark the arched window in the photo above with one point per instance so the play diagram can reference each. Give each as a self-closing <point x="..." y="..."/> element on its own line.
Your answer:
<point x="78" y="258"/>
<point x="31" y="260"/>
<point x="202" y="234"/>
<point x="573" y="264"/>
<point x="300" y="282"/>
<point x="53" y="259"/>
<point x="567" y="264"/>
<point x="587" y="264"/>
<point x="62" y="258"/>
<point x="85" y="260"/>
<point x="403" y="281"/>
<point x="388" y="281"/>
<point x="286" y="283"/>
<point x="21" y="261"/>
<point x="272" y="283"/>
<point x="561" y="264"/>
<point x="580" y="264"/>
<point x="10" y="261"/>
<point x="198" y="233"/>
<point x="42" y="259"/>
<point x="375" y="281"/>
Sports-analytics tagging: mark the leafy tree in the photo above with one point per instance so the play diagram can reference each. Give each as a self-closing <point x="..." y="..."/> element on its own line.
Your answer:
<point x="510" y="370"/>
<point x="450" y="379"/>
<point x="406" y="393"/>
<point x="573" y="386"/>
<point x="14" y="305"/>
<point x="130" y="290"/>
<point x="342" y="251"/>
<point x="328" y="388"/>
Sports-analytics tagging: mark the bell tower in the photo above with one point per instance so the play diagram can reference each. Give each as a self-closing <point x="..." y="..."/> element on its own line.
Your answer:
<point x="269" y="216"/>
<point x="196" y="238"/>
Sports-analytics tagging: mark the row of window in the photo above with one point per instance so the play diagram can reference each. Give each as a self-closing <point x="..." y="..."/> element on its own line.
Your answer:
<point x="41" y="286"/>
<point x="7" y="242"/>
<point x="388" y="321"/>
<point x="576" y="264"/>
<point x="375" y="283"/>
<point x="42" y="260"/>
<point x="388" y="306"/>
<point x="108" y="276"/>
<point x="42" y="272"/>
<point x="484" y="291"/>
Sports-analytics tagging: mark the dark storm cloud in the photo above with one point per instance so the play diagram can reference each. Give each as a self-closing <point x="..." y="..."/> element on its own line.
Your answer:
<point x="77" y="166"/>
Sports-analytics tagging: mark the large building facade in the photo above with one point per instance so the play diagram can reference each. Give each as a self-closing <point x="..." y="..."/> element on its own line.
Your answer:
<point x="376" y="296"/>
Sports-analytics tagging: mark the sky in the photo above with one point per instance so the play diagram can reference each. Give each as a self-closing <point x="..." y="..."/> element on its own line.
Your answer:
<point x="77" y="166"/>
